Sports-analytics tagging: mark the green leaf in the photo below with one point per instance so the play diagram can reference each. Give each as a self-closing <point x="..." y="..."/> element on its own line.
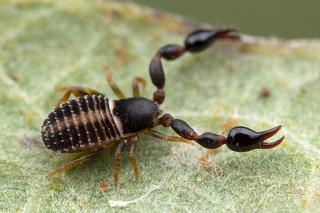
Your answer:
<point x="44" y="45"/>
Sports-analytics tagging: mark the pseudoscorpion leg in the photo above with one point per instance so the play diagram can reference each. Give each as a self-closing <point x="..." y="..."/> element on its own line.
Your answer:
<point x="69" y="165"/>
<point x="117" y="161"/>
<point x="77" y="92"/>
<point x="132" y="146"/>
<point x="136" y="83"/>
<point x="112" y="85"/>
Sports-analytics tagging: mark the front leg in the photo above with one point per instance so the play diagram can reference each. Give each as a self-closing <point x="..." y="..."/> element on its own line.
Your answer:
<point x="117" y="161"/>
<point x="136" y="83"/>
<point x="159" y="135"/>
<point x="117" y="91"/>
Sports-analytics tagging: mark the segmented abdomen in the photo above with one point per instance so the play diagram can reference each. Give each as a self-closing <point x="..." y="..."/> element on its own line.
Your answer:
<point x="81" y="124"/>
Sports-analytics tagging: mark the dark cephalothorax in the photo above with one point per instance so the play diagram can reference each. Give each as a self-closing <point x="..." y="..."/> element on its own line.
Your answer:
<point x="92" y="122"/>
<point x="142" y="111"/>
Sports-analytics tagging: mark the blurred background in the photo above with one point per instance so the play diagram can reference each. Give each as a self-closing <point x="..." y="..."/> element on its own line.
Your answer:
<point x="281" y="18"/>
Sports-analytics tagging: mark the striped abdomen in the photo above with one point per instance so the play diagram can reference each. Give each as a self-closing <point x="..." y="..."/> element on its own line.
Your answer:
<point x="81" y="124"/>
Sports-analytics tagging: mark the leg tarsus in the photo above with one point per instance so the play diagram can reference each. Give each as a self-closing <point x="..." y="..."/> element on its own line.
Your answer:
<point x="136" y="83"/>
<point x="71" y="164"/>
<point x="112" y="85"/>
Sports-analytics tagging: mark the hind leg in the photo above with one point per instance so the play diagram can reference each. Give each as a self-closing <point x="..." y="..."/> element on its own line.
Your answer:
<point x="76" y="91"/>
<point x="71" y="164"/>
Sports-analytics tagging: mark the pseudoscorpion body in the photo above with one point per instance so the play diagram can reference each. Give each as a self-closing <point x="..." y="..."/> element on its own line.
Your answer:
<point x="92" y="122"/>
<point x="83" y="123"/>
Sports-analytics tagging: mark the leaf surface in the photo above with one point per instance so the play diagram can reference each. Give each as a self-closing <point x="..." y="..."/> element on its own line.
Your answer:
<point x="259" y="83"/>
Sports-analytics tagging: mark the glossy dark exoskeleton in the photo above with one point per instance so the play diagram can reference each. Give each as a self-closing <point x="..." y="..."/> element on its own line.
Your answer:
<point x="92" y="122"/>
<point x="243" y="139"/>
<point x="142" y="111"/>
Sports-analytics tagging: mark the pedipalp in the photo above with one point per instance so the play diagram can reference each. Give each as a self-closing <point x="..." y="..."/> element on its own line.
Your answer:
<point x="196" y="41"/>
